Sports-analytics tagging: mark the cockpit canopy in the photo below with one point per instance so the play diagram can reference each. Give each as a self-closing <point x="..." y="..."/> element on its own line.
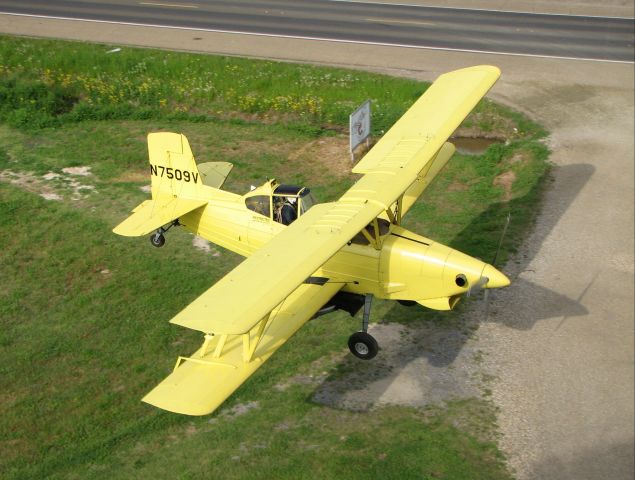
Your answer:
<point x="282" y="203"/>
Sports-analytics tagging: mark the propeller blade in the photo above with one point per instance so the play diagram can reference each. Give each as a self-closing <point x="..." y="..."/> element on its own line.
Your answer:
<point x="498" y="249"/>
<point x="480" y="284"/>
<point x="486" y="300"/>
<point x="502" y="237"/>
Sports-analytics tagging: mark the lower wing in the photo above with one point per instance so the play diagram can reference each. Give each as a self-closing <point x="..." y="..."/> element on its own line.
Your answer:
<point x="200" y="383"/>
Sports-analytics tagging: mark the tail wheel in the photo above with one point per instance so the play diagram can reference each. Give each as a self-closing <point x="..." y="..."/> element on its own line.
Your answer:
<point x="363" y="345"/>
<point x="157" y="240"/>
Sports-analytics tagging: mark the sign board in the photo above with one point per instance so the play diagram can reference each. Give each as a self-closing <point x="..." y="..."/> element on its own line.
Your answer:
<point x="359" y="125"/>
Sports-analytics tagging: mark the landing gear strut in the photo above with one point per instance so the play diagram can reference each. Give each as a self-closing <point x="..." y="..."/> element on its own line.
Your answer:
<point x="362" y="344"/>
<point x="157" y="239"/>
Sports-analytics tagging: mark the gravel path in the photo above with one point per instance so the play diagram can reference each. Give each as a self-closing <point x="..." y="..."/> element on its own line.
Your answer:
<point x="562" y="345"/>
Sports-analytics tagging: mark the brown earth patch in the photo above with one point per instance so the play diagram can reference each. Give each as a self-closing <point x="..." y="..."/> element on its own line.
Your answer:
<point x="51" y="186"/>
<point x="331" y="152"/>
<point x="239" y="409"/>
<point x="7" y="400"/>
<point x="518" y="158"/>
<point x="80" y="171"/>
<point x="457" y="187"/>
<point x="505" y="180"/>
<point x="133" y="176"/>
<point x="14" y="449"/>
<point x="30" y="183"/>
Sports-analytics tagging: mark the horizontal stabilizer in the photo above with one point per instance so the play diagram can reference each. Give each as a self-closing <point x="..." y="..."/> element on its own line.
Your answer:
<point x="214" y="174"/>
<point x="152" y="214"/>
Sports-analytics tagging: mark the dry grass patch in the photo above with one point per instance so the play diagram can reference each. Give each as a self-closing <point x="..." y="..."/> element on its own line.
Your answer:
<point x="329" y="156"/>
<point x="506" y="181"/>
<point x="133" y="176"/>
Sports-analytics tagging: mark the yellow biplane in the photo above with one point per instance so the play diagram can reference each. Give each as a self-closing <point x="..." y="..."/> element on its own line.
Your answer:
<point x="306" y="258"/>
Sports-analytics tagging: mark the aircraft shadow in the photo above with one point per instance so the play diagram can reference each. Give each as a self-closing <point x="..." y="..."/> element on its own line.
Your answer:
<point x="601" y="460"/>
<point x="438" y="338"/>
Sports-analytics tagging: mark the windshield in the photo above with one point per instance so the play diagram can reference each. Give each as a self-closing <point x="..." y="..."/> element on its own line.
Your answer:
<point x="259" y="204"/>
<point x="306" y="201"/>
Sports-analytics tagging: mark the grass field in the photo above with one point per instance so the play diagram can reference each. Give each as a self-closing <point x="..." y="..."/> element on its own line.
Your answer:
<point x="84" y="330"/>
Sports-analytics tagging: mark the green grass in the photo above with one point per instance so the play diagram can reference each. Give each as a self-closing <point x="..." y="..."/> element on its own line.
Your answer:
<point x="79" y="348"/>
<point x="70" y="81"/>
<point x="48" y="82"/>
<point x="84" y="330"/>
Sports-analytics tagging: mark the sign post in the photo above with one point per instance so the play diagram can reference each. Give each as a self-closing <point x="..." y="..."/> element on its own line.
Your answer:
<point x="359" y="127"/>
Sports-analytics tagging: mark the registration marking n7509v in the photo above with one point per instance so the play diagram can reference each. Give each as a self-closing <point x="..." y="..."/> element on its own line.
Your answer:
<point x="173" y="173"/>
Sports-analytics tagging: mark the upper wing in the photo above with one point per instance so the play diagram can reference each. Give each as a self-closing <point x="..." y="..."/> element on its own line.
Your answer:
<point x="152" y="214"/>
<point x="409" y="149"/>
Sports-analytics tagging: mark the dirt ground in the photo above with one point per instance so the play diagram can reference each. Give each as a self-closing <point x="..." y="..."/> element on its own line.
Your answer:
<point x="556" y="350"/>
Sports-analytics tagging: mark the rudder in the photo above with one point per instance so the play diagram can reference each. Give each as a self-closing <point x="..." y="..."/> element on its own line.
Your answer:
<point x="173" y="169"/>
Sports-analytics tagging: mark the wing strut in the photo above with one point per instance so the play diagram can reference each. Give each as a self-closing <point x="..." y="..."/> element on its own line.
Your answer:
<point x="249" y="346"/>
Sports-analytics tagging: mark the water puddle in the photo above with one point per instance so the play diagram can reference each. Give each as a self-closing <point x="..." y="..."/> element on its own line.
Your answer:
<point x="473" y="145"/>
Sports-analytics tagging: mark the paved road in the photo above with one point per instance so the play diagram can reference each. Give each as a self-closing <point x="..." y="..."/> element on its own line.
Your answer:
<point x="386" y="24"/>
<point x="560" y="339"/>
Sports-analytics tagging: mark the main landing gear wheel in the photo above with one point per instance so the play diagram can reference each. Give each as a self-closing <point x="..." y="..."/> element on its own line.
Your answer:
<point x="363" y="345"/>
<point x="157" y="239"/>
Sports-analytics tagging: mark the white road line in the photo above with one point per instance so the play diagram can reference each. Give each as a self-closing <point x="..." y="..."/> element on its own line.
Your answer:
<point x="443" y="7"/>
<point x="319" y="39"/>
<point x="399" y="22"/>
<point x="170" y="5"/>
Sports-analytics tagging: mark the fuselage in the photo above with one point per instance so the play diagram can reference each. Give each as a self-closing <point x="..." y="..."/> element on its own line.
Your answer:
<point x="399" y="265"/>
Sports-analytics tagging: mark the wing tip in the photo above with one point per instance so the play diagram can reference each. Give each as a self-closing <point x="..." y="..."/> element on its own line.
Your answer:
<point x="177" y="406"/>
<point x="491" y="71"/>
<point x="120" y="231"/>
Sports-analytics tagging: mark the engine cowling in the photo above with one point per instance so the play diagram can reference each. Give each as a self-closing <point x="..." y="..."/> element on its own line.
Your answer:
<point x="416" y="268"/>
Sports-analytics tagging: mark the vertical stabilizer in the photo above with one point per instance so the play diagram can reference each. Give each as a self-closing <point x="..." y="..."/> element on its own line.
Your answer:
<point x="172" y="166"/>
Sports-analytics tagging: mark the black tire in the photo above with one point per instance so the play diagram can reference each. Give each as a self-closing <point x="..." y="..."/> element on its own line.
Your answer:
<point x="363" y="345"/>
<point x="407" y="303"/>
<point x="157" y="240"/>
